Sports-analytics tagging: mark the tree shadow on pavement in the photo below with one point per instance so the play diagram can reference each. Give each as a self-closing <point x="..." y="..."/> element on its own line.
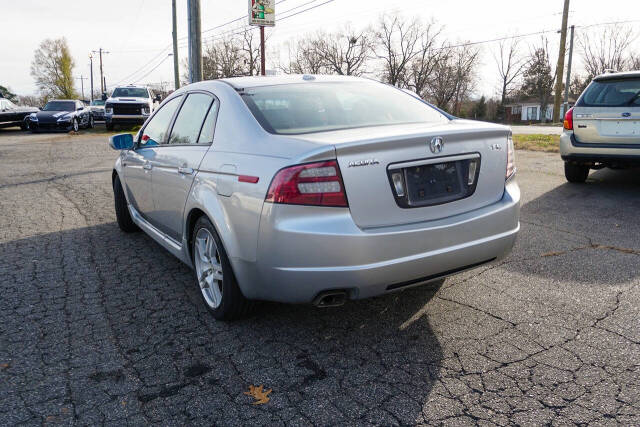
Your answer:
<point x="97" y="325"/>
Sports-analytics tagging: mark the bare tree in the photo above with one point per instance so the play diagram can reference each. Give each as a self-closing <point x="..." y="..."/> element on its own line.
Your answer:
<point x="634" y="62"/>
<point x="230" y="56"/>
<point x="305" y="57"/>
<point x="398" y="42"/>
<point x="345" y="52"/>
<point x="510" y="64"/>
<point x="607" y="49"/>
<point x="422" y="67"/>
<point x="454" y="77"/>
<point x="251" y="50"/>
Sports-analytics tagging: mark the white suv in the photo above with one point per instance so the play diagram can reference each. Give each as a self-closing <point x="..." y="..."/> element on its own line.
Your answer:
<point x="130" y="105"/>
<point x="603" y="129"/>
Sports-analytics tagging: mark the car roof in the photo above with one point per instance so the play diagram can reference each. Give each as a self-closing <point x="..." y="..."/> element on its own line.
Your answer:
<point x="131" y="87"/>
<point x="67" y="100"/>
<point x="257" y="81"/>
<point x="616" y="76"/>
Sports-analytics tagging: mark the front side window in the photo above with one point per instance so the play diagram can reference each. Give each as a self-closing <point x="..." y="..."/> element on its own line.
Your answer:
<point x="319" y="107"/>
<point x="189" y="121"/>
<point x="60" y="106"/>
<point x="611" y="93"/>
<point x="156" y="130"/>
<point x="130" y="92"/>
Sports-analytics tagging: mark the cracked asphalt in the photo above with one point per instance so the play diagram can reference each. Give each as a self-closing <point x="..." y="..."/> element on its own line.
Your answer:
<point x="102" y="327"/>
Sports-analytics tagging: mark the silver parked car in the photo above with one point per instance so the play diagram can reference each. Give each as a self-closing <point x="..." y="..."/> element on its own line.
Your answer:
<point x="315" y="189"/>
<point x="603" y="129"/>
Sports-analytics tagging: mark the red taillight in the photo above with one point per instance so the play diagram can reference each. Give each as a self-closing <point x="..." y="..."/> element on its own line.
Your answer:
<point x="568" y="119"/>
<point x="318" y="184"/>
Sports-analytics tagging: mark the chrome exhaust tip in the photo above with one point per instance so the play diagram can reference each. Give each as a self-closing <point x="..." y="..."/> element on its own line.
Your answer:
<point x="330" y="299"/>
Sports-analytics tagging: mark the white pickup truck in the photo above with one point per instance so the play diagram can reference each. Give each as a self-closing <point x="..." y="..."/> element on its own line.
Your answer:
<point x="129" y="105"/>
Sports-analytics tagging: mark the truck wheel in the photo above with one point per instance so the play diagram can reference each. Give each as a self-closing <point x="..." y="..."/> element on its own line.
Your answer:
<point x="123" y="216"/>
<point x="575" y="173"/>
<point x="214" y="276"/>
<point x="109" y="126"/>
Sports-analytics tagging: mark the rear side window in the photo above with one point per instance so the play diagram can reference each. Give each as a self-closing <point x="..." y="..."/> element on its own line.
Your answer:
<point x="189" y="121"/>
<point x="156" y="130"/>
<point x="611" y="93"/>
<point x="206" y="135"/>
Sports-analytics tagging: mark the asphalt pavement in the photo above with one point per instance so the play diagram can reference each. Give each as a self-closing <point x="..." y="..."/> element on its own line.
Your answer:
<point x="102" y="327"/>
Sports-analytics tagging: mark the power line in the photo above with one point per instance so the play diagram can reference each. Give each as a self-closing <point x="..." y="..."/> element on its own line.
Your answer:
<point x="153" y="69"/>
<point x="241" y="30"/>
<point x="128" y="77"/>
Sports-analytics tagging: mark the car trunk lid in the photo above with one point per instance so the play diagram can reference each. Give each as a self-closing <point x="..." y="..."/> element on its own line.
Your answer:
<point x="434" y="181"/>
<point x="615" y="125"/>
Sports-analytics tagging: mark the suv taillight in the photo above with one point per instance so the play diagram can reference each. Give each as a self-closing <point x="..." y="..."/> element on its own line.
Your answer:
<point x="317" y="184"/>
<point x="568" y="119"/>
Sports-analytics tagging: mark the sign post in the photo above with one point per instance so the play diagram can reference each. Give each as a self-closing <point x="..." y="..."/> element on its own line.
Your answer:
<point x="262" y="13"/>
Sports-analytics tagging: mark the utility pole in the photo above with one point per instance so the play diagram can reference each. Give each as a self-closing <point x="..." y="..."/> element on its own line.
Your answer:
<point x="176" y="77"/>
<point x="91" y="65"/>
<point x="82" y="79"/>
<point x="195" y="42"/>
<point x="103" y="87"/>
<point x="568" y="83"/>
<point x="560" y="67"/>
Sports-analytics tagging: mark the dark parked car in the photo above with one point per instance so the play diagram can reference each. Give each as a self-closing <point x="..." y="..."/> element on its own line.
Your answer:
<point x="97" y="109"/>
<point x="61" y="114"/>
<point x="12" y="115"/>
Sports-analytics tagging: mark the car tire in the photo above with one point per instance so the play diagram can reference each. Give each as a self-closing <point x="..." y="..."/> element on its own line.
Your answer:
<point x="75" y="126"/>
<point x="109" y="126"/>
<point x="576" y="173"/>
<point x="221" y="295"/>
<point x="123" y="216"/>
<point x="91" y="123"/>
<point x="24" y="126"/>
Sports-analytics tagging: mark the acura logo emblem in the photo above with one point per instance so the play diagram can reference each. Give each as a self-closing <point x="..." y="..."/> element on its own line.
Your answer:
<point x="437" y="144"/>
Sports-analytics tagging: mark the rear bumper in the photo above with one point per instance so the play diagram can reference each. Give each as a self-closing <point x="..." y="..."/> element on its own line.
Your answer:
<point x="581" y="152"/>
<point x="302" y="253"/>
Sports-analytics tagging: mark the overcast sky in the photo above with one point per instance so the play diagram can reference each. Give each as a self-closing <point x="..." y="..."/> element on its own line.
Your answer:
<point x="137" y="31"/>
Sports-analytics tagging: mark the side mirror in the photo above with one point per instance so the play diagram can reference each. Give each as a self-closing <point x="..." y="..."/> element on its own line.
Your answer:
<point x="123" y="141"/>
<point x="158" y="98"/>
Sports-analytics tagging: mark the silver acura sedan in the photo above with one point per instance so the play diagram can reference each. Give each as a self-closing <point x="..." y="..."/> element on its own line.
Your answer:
<point x="315" y="189"/>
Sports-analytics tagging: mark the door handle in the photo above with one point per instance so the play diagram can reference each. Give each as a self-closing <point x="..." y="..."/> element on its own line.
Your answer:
<point x="185" y="170"/>
<point x="147" y="166"/>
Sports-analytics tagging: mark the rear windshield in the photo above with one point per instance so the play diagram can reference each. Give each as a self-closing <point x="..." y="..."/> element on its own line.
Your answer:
<point x="131" y="92"/>
<point x="320" y="107"/>
<point x="60" y="106"/>
<point x="611" y="93"/>
<point x="97" y="102"/>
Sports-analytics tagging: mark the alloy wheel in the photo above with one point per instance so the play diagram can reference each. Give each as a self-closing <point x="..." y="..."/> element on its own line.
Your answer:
<point x="208" y="267"/>
<point x="75" y="125"/>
